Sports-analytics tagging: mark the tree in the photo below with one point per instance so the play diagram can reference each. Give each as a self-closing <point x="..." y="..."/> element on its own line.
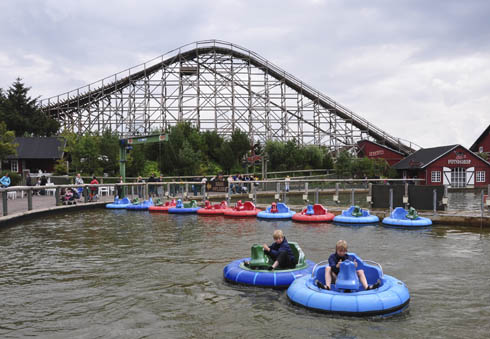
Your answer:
<point x="212" y="144"/>
<point x="240" y="144"/>
<point x="7" y="145"/>
<point x="343" y="164"/>
<point x="22" y="114"/>
<point x="108" y="144"/>
<point x="227" y="160"/>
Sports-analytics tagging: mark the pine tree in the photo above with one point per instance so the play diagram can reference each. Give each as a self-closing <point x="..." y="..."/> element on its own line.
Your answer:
<point x="22" y="114"/>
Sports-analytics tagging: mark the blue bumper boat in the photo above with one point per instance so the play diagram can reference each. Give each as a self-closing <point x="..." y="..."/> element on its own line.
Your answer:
<point x="119" y="203"/>
<point x="347" y="296"/>
<point x="181" y="208"/>
<point x="403" y="218"/>
<point x="356" y="215"/>
<point x="253" y="271"/>
<point x="276" y="211"/>
<point x="142" y="206"/>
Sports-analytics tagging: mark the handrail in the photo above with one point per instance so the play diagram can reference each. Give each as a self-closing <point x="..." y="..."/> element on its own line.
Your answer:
<point x="317" y="264"/>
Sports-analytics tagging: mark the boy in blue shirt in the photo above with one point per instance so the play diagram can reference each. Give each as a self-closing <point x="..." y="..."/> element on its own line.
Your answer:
<point x="334" y="261"/>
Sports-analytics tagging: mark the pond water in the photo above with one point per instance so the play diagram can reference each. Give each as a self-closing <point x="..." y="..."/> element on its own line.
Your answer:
<point x="119" y="274"/>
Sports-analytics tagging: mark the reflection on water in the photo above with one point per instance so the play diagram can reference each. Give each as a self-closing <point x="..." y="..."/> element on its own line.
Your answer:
<point x="114" y="274"/>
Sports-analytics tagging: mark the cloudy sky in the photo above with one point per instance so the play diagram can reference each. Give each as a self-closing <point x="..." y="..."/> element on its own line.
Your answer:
<point x="420" y="70"/>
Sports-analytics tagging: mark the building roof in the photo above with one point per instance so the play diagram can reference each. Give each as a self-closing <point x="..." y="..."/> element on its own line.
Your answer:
<point x="39" y="148"/>
<point x="423" y="157"/>
<point x="380" y="145"/>
<point x="474" y="147"/>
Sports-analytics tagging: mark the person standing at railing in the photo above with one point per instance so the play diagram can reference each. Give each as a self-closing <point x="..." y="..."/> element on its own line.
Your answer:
<point x="231" y="187"/>
<point x="28" y="180"/>
<point x="286" y="183"/>
<point x="140" y="188"/>
<point x="93" y="189"/>
<point x="160" y="190"/>
<point x="5" y="181"/>
<point x="120" y="188"/>
<point x="78" y="180"/>
<point x="43" y="182"/>
<point x="151" y="188"/>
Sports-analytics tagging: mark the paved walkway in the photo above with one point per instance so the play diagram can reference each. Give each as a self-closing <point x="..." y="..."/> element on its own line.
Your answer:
<point x="40" y="202"/>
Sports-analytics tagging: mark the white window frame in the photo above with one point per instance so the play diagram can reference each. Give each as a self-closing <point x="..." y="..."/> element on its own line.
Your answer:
<point x="480" y="149"/>
<point x="458" y="177"/>
<point x="14" y="166"/>
<point x="480" y="176"/>
<point x="435" y="176"/>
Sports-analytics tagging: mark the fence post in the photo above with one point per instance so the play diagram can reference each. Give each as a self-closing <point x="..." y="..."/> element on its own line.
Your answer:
<point x="29" y="200"/>
<point x="434" y="201"/>
<point x="305" y="196"/>
<point x="57" y="196"/>
<point x="482" y="207"/>
<point x="369" y="198"/>
<point x="203" y="191"/>
<point x="228" y="196"/>
<point x="391" y="200"/>
<point x="317" y="195"/>
<point x="4" y="203"/>
<point x="352" y="198"/>
<point x="336" y="196"/>
<point x="444" y="197"/>
<point x="405" y="196"/>
<point x="278" y="192"/>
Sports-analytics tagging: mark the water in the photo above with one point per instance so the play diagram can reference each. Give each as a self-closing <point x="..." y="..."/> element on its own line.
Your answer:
<point x="119" y="274"/>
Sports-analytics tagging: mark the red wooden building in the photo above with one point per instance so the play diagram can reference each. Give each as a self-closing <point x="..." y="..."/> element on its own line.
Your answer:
<point x="452" y="165"/>
<point x="372" y="150"/>
<point x="482" y="144"/>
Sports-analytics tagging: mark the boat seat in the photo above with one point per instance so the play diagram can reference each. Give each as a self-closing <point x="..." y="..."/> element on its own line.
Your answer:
<point x="347" y="278"/>
<point x="258" y="258"/>
<point x="282" y="208"/>
<point x="248" y="206"/>
<point x="399" y="213"/>
<point x="319" y="209"/>
<point x="298" y="253"/>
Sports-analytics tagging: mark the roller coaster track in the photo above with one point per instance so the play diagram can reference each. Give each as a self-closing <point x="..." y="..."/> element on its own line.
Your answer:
<point x="219" y="86"/>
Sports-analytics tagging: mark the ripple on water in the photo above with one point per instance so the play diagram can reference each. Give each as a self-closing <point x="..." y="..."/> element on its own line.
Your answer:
<point x="117" y="274"/>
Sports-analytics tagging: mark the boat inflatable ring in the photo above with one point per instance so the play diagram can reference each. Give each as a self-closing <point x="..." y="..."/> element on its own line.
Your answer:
<point x="356" y="215"/>
<point x="237" y="272"/>
<point x="398" y="218"/>
<point x="390" y="298"/>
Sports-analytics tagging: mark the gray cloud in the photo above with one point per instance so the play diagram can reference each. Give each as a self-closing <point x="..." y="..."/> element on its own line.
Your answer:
<point x="417" y="69"/>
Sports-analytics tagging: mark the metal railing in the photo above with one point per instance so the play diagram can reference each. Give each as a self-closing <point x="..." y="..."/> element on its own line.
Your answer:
<point x="304" y="191"/>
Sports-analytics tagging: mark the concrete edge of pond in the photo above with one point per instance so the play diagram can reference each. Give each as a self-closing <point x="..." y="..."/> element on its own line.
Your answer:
<point x="459" y="218"/>
<point x="20" y="216"/>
